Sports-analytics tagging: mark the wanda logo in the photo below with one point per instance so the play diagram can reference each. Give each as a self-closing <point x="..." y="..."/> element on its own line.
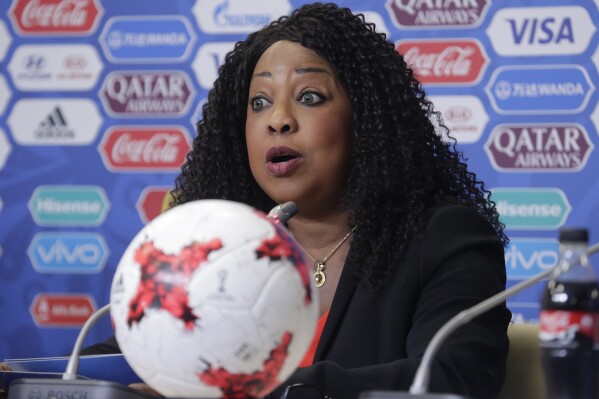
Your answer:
<point x="37" y="17"/>
<point x="141" y="148"/>
<point x="449" y="62"/>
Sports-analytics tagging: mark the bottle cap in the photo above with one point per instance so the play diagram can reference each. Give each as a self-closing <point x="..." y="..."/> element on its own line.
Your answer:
<point x="574" y="234"/>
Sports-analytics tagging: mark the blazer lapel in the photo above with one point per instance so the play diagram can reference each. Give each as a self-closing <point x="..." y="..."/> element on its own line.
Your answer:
<point x="343" y="294"/>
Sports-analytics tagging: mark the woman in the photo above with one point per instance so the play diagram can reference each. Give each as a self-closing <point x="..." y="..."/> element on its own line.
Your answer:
<point x="320" y="109"/>
<point x="326" y="113"/>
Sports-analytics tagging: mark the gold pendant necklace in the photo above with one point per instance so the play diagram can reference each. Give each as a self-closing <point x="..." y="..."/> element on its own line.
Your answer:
<point x="320" y="265"/>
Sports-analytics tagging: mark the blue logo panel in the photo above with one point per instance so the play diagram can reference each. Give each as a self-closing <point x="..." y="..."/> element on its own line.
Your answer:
<point x="51" y="252"/>
<point x="526" y="257"/>
<point x="147" y="39"/>
<point x="542" y="89"/>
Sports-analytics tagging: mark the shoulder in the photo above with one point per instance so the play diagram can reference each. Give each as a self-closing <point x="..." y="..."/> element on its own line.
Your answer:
<point x="452" y="223"/>
<point x="459" y="233"/>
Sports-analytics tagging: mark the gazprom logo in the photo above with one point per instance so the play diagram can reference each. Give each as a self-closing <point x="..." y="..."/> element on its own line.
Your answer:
<point x="69" y="205"/>
<point x="52" y="252"/>
<point x="539" y="89"/>
<point x="531" y="209"/>
<point x="237" y="16"/>
<point x="151" y="39"/>
<point x="525" y="257"/>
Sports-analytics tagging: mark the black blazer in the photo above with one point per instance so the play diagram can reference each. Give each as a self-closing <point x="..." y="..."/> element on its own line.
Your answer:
<point x="376" y="340"/>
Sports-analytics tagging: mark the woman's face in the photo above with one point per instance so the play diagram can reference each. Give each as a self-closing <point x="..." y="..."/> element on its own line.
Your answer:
<point x="298" y="128"/>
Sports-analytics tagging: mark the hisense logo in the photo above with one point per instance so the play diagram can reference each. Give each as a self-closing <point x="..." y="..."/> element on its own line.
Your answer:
<point x="69" y="205"/>
<point x="531" y="209"/>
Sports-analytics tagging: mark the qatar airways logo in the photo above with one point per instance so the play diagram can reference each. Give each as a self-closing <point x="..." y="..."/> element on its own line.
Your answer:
<point x="144" y="148"/>
<point x="55" y="17"/>
<point x="437" y="13"/>
<point x="148" y="93"/>
<point x="445" y="62"/>
<point x="539" y="147"/>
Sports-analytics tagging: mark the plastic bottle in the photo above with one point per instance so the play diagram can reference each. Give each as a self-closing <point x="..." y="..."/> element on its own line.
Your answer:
<point x="569" y="322"/>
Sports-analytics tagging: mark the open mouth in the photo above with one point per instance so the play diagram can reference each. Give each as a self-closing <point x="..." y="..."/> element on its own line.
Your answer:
<point x="281" y="155"/>
<point x="282" y="158"/>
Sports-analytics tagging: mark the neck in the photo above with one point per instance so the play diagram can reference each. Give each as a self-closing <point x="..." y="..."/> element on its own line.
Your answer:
<point x="319" y="235"/>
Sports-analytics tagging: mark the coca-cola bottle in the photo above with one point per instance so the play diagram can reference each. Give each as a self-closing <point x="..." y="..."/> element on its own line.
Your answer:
<point x="569" y="322"/>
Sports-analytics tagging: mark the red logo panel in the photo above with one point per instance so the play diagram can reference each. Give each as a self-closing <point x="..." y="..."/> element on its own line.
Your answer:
<point x="152" y="202"/>
<point x="59" y="310"/>
<point x="144" y="148"/>
<point x="43" y="17"/>
<point x="448" y="62"/>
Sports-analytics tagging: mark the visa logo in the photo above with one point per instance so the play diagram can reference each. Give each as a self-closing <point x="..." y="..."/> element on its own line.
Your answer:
<point x="541" y="31"/>
<point x="68" y="252"/>
<point x="525" y="257"/>
<point x="533" y="31"/>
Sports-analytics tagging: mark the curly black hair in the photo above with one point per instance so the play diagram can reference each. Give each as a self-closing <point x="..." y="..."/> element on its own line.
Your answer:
<point x="401" y="166"/>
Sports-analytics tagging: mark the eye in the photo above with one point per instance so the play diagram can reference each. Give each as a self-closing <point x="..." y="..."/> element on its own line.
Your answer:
<point x="311" y="98"/>
<point x="258" y="102"/>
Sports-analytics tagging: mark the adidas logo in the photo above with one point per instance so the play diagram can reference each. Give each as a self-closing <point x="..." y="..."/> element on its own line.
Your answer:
<point x="54" y="126"/>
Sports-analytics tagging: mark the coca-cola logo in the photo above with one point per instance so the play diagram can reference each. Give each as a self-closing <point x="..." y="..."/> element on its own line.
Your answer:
<point x="457" y="62"/>
<point x="149" y="93"/>
<point x="139" y="148"/>
<point x="559" y="147"/>
<point x="43" y="17"/>
<point x="564" y="326"/>
<point x="437" y="13"/>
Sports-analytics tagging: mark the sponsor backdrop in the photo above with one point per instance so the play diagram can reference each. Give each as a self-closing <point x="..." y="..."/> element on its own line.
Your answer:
<point x="98" y="102"/>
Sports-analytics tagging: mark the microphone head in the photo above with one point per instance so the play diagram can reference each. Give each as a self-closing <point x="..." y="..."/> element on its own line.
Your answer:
<point x="282" y="213"/>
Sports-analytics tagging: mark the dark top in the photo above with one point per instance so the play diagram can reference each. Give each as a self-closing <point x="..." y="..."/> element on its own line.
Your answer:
<point x="375" y="340"/>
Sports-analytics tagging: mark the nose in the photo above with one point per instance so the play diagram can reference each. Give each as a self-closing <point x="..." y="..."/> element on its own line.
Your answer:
<point x="282" y="120"/>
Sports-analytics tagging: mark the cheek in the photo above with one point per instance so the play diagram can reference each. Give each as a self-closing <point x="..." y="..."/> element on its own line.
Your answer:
<point x="253" y="144"/>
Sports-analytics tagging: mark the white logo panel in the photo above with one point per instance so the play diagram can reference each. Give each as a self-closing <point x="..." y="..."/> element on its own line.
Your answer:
<point x="237" y="16"/>
<point x="465" y="117"/>
<point x="56" y="121"/>
<point x="5" y="94"/>
<point x="595" y="58"/>
<point x="595" y="118"/>
<point x="375" y="18"/>
<point x="5" y="40"/>
<point x="210" y="57"/>
<point x="69" y="67"/>
<point x="533" y="31"/>
<point x="5" y="149"/>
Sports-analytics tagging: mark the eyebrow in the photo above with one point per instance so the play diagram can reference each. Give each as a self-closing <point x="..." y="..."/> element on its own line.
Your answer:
<point x="301" y="70"/>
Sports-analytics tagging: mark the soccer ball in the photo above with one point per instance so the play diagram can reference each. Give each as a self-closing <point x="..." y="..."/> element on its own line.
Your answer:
<point x="212" y="299"/>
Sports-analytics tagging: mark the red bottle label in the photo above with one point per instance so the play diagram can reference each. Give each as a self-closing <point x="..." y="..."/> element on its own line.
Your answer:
<point x="563" y="326"/>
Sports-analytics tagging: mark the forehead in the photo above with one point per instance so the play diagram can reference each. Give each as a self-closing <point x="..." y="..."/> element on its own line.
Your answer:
<point x="285" y="55"/>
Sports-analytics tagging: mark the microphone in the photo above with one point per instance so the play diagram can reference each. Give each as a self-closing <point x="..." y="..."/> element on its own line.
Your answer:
<point x="419" y="386"/>
<point x="282" y="213"/>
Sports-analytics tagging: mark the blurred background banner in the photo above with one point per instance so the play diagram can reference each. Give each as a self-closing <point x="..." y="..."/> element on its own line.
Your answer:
<point x="99" y="100"/>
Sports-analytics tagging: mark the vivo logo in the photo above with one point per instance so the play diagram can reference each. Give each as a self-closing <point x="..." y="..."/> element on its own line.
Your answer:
<point x="533" y="31"/>
<point x="525" y="257"/>
<point x="68" y="252"/>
